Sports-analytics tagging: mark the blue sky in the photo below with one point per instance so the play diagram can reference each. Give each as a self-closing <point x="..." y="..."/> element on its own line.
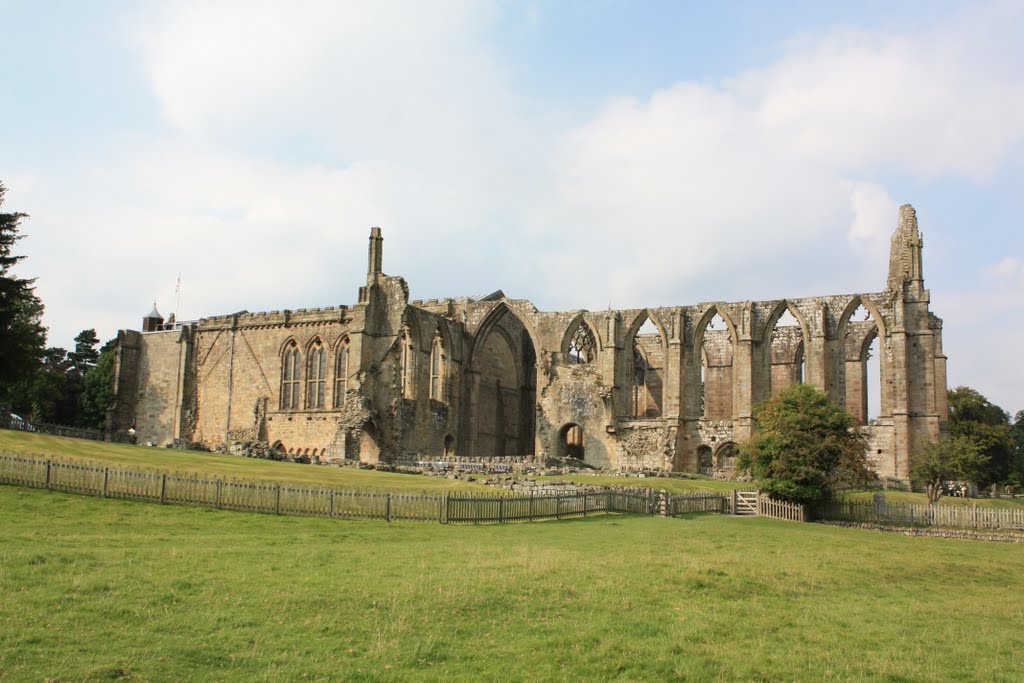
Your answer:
<point x="578" y="154"/>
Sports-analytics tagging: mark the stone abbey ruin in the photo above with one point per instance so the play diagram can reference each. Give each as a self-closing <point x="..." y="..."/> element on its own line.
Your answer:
<point x="494" y="379"/>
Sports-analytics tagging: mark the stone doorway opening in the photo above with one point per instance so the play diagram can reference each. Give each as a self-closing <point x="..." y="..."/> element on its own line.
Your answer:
<point x="570" y="442"/>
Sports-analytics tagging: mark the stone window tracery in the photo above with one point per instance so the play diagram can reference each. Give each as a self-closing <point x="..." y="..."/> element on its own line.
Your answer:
<point x="316" y="376"/>
<point x="290" y="377"/>
<point x="582" y="346"/>
<point x="341" y="375"/>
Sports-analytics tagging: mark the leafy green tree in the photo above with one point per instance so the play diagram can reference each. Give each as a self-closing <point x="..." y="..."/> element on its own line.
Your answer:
<point x="1016" y="477"/>
<point x="97" y="389"/>
<point x="958" y="458"/>
<point x="973" y="416"/>
<point x="22" y="335"/>
<point x="804" y="447"/>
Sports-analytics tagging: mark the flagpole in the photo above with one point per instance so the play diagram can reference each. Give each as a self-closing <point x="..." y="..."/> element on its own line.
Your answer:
<point x="177" y="297"/>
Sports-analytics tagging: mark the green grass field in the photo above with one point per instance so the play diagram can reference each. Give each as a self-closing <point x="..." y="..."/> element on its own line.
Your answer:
<point x="219" y="465"/>
<point x="101" y="589"/>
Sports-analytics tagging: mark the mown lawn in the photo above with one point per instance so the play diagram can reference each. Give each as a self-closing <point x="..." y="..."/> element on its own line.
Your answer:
<point x="101" y="589"/>
<point x="922" y="499"/>
<point x="670" y="484"/>
<point x="219" y="465"/>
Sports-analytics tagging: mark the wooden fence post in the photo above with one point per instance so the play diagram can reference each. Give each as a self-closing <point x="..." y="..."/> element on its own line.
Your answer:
<point x="163" y="489"/>
<point x="106" y="477"/>
<point x="530" y="509"/>
<point x="440" y="507"/>
<point x="277" y="499"/>
<point x="388" y="508"/>
<point x="332" y="503"/>
<point x="501" y="510"/>
<point x="216" y="503"/>
<point x="558" y="506"/>
<point x="584" y="503"/>
<point x="48" y="464"/>
<point x="734" y="501"/>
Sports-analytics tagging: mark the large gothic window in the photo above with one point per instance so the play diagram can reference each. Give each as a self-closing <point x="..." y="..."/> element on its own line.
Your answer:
<point x="316" y="375"/>
<point x="341" y="374"/>
<point x="437" y="371"/>
<point x="582" y="347"/>
<point x="290" y="377"/>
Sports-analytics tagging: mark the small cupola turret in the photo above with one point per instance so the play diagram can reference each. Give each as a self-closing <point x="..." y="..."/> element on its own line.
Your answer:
<point x="152" y="321"/>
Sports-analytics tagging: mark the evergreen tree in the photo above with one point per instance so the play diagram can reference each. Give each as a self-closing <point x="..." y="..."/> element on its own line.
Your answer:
<point x="22" y="335"/>
<point x="85" y="354"/>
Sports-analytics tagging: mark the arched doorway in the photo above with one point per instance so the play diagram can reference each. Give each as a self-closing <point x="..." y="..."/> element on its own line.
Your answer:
<point x="570" y="442"/>
<point x="449" y="445"/>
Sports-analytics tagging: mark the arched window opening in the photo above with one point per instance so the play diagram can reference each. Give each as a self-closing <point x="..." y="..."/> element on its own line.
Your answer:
<point x="716" y="370"/>
<point x="290" y="377"/>
<point x="786" y="353"/>
<point x="437" y="371"/>
<point x="316" y="376"/>
<point x="449" y="445"/>
<point x="863" y="366"/>
<point x="582" y="346"/>
<point x="341" y="375"/>
<point x="570" y="440"/>
<point x="648" y="364"/>
<point x="406" y="370"/>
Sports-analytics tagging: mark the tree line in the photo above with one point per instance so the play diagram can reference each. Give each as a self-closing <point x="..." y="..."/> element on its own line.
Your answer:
<point x="40" y="382"/>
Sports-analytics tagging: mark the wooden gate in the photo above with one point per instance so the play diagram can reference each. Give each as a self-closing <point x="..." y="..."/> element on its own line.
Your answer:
<point x="745" y="503"/>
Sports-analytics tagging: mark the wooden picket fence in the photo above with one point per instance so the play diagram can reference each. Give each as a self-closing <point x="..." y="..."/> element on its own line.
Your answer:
<point x="111" y="481"/>
<point x="777" y="509"/>
<point x="921" y="515"/>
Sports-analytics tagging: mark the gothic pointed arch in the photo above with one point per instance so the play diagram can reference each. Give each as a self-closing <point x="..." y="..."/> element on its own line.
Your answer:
<point x="291" y="374"/>
<point x="863" y="365"/>
<point x="493" y="318"/>
<point x="784" y="348"/>
<point x="580" y="343"/>
<point x="316" y="373"/>
<point x="716" y="348"/>
<point x="647" y="346"/>
<point x="342" y="370"/>
<point x="503" y="358"/>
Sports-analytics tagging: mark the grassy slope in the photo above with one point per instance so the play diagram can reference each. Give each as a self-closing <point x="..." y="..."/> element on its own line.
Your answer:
<point x="212" y="464"/>
<point x="250" y="468"/>
<point x="100" y="589"/>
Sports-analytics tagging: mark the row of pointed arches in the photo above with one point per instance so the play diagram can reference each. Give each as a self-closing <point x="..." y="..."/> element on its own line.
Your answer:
<point x="782" y="360"/>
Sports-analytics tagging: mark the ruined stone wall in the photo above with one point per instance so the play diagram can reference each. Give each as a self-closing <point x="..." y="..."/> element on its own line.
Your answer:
<point x="512" y="387"/>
